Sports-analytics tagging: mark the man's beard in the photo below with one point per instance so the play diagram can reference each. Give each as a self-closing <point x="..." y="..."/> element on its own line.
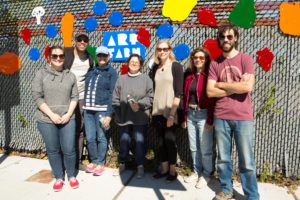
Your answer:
<point x="227" y="50"/>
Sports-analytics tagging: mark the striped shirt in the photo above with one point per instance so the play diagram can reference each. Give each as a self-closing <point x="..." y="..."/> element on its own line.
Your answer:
<point x="91" y="96"/>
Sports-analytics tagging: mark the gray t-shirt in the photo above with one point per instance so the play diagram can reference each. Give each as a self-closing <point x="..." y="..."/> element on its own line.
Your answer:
<point x="80" y="68"/>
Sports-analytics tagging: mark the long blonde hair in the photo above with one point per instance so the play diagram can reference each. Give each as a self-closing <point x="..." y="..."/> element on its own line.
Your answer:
<point x="171" y="55"/>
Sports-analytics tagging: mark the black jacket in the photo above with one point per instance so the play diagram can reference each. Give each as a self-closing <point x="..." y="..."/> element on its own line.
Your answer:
<point x="69" y="58"/>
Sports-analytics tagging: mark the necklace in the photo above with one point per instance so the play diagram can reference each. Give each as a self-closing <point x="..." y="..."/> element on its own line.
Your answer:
<point x="82" y="57"/>
<point x="162" y="68"/>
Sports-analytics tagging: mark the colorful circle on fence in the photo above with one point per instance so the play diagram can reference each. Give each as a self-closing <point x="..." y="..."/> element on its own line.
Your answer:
<point x="99" y="8"/>
<point x="92" y="51"/>
<point x="137" y="5"/>
<point x="181" y="51"/>
<point x="34" y="54"/>
<point x="116" y="18"/>
<point x="90" y="24"/>
<point x="51" y="31"/>
<point x="164" y="31"/>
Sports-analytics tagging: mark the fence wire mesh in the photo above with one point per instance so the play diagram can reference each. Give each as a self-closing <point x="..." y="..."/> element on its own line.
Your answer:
<point x="277" y="127"/>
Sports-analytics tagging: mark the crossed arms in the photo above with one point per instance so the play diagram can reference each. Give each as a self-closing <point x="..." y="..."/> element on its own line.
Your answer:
<point x="223" y="89"/>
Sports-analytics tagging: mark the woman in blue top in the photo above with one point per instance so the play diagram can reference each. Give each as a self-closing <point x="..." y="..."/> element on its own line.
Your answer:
<point x="100" y="83"/>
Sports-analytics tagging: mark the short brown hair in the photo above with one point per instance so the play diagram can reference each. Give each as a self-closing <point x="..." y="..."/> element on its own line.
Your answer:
<point x="54" y="47"/>
<point x="226" y="27"/>
<point x="141" y="61"/>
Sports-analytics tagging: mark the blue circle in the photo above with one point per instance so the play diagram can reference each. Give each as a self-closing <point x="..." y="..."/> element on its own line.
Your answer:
<point x="99" y="8"/>
<point x="34" y="54"/>
<point x="90" y="24"/>
<point x="181" y="51"/>
<point x="164" y="31"/>
<point x="51" y="31"/>
<point x="116" y="18"/>
<point x="137" y="5"/>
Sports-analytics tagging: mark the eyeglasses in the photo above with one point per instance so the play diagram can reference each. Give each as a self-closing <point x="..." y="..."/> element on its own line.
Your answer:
<point x="60" y="56"/>
<point x="134" y="63"/>
<point x="162" y="49"/>
<point x="199" y="57"/>
<point x="229" y="37"/>
<point x="83" y="39"/>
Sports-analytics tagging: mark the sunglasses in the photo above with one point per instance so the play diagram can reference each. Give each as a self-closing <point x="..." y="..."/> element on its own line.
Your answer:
<point x="199" y="57"/>
<point x="83" y="39"/>
<point x="229" y="37"/>
<point x="162" y="49"/>
<point x="60" y="56"/>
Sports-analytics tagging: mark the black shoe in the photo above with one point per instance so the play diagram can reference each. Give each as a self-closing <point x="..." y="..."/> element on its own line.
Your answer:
<point x="171" y="178"/>
<point x="158" y="175"/>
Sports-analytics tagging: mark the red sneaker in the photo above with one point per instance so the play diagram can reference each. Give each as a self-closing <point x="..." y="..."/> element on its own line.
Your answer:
<point x="73" y="183"/>
<point x="58" y="185"/>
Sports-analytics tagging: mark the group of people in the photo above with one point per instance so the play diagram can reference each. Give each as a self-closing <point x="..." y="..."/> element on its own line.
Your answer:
<point x="72" y="94"/>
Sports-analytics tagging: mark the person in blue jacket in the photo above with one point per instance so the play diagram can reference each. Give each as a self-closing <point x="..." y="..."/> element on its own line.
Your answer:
<point x="100" y="83"/>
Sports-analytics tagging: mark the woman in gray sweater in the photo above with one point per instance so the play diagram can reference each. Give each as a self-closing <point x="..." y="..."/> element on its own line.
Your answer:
<point x="55" y="92"/>
<point x="132" y="100"/>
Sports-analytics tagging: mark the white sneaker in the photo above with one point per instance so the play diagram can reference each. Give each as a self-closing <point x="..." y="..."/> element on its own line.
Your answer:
<point x="202" y="182"/>
<point x="119" y="171"/>
<point x="140" y="171"/>
<point x="192" y="178"/>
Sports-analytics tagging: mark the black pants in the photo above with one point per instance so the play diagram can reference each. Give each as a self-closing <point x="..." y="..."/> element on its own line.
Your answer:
<point x="167" y="148"/>
<point x="79" y="131"/>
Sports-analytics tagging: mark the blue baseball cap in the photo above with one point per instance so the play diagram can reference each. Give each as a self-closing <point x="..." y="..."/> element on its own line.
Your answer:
<point x="102" y="50"/>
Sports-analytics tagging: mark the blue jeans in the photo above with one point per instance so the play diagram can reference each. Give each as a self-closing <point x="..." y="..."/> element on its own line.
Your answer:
<point x="126" y="134"/>
<point x="60" y="147"/>
<point x="95" y="136"/>
<point x="243" y="136"/>
<point x="201" y="142"/>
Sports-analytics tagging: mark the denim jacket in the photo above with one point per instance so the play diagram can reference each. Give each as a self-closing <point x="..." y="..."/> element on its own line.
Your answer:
<point x="107" y="77"/>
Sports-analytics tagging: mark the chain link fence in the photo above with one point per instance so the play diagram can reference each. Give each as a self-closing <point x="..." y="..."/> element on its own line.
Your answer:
<point x="275" y="98"/>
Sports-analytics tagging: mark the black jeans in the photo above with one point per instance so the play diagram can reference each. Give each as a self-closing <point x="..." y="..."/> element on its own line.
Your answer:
<point x="79" y="131"/>
<point x="167" y="148"/>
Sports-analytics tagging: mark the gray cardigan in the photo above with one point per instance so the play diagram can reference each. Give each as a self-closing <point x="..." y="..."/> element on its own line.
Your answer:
<point x="141" y="89"/>
<point x="56" y="89"/>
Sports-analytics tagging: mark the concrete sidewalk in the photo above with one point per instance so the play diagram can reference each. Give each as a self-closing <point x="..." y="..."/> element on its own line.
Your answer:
<point x="14" y="185"/>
